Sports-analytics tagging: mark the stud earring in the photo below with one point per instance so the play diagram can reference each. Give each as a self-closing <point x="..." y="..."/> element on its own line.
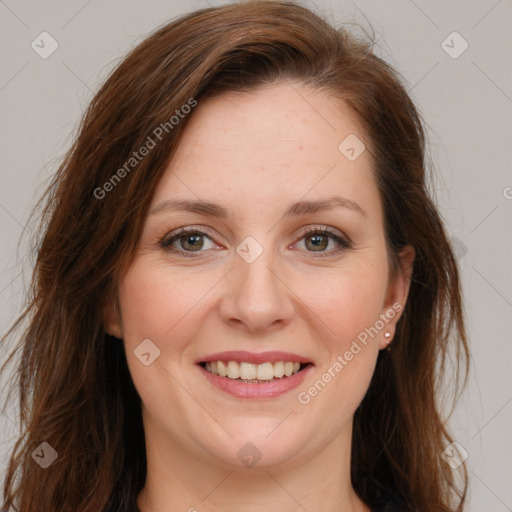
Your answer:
<point x="387" y="335"/>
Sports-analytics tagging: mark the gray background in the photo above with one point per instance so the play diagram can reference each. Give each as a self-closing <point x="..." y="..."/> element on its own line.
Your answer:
<point x="466" y="102"/>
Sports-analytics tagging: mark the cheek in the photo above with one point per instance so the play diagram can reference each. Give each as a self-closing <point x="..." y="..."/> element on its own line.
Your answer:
<point x="345" y="303"/>
<point x="347" y="306"/>
<point x="160" y="305"/>
<point x="139" y="302"/>
<point x="154" y="303"/>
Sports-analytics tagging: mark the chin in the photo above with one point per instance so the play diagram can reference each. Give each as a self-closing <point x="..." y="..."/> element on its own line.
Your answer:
<point x="259" y="450"/>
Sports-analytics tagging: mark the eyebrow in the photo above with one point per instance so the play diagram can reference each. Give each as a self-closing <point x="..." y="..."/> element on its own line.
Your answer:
<point x="295" y="209"/>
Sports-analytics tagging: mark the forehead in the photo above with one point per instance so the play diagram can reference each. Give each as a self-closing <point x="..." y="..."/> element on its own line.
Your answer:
<point x="275" y="144"/>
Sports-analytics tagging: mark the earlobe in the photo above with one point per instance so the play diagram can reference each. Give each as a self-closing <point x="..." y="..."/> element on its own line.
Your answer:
<point x="397" y="293"/>
<point x="111" y="321"/>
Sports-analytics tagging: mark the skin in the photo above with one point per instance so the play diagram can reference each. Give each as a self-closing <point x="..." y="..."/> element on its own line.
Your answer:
<point x="256" y="153"/>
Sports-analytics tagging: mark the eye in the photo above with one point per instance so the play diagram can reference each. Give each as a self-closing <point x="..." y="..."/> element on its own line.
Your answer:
<point x="317" y="240"/>
<point x="190" y="240"/>
<point x="187" y="240"/>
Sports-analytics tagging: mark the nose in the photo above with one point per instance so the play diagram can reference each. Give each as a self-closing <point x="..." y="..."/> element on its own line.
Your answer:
<point x="257" y="298"/>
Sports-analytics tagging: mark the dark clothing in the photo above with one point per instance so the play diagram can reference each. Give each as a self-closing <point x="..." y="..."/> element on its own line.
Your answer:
<point x="392" y="505"/>
<point x="381" y="498"/>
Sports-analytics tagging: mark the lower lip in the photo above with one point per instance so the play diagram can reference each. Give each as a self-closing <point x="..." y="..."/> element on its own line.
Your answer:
<point x="254" y="390"/>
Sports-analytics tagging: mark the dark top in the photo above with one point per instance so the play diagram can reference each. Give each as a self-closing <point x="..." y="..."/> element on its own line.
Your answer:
<point x="394" y="504"/>
<point x="383" y="499"/>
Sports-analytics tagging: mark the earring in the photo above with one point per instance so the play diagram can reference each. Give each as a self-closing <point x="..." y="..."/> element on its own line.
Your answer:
<point x="387" y="335"/>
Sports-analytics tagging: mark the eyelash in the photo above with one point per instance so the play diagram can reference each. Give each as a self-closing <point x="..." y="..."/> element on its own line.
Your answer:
<point x="168" y="240"/>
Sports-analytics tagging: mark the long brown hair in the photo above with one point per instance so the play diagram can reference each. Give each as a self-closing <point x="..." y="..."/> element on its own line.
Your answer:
<point x="75" y="390"/>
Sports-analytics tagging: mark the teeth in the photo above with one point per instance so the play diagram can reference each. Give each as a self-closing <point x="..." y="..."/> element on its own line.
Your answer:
<point x="252" y="372"/>
<point x="221" y="368"/>
<point x="265" y="371"/>
<point x="233" y="370"/>
<point x="247" y="371"/>
<point x="279" y="369"/>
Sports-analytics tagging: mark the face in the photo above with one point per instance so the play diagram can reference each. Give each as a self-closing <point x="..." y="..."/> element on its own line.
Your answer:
<point x="289" y="266"/>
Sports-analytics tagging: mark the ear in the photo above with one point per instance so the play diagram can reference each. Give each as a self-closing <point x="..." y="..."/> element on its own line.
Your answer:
<point x="396" y="295"/>
<point x="112" y="320"/>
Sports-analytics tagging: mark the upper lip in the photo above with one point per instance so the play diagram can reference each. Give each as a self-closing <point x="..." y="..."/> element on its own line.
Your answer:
<point x="253" y="357"/>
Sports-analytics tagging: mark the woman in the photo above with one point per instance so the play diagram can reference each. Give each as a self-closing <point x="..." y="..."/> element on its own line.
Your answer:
<point x="244" y="296"/>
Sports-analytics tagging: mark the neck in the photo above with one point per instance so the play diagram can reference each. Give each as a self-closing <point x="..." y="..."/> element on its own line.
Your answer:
<point x="183" y="479"/>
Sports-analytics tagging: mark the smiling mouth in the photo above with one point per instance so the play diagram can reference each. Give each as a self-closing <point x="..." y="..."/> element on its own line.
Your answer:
<point x="254" y="373"/>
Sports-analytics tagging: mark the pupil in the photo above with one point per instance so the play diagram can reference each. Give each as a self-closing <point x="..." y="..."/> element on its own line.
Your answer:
<point x="195" y="239"/>
<point x="318" y="241"/>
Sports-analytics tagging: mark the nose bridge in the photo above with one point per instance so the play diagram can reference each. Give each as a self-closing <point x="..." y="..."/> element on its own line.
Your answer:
<point x="257" y="296"/>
